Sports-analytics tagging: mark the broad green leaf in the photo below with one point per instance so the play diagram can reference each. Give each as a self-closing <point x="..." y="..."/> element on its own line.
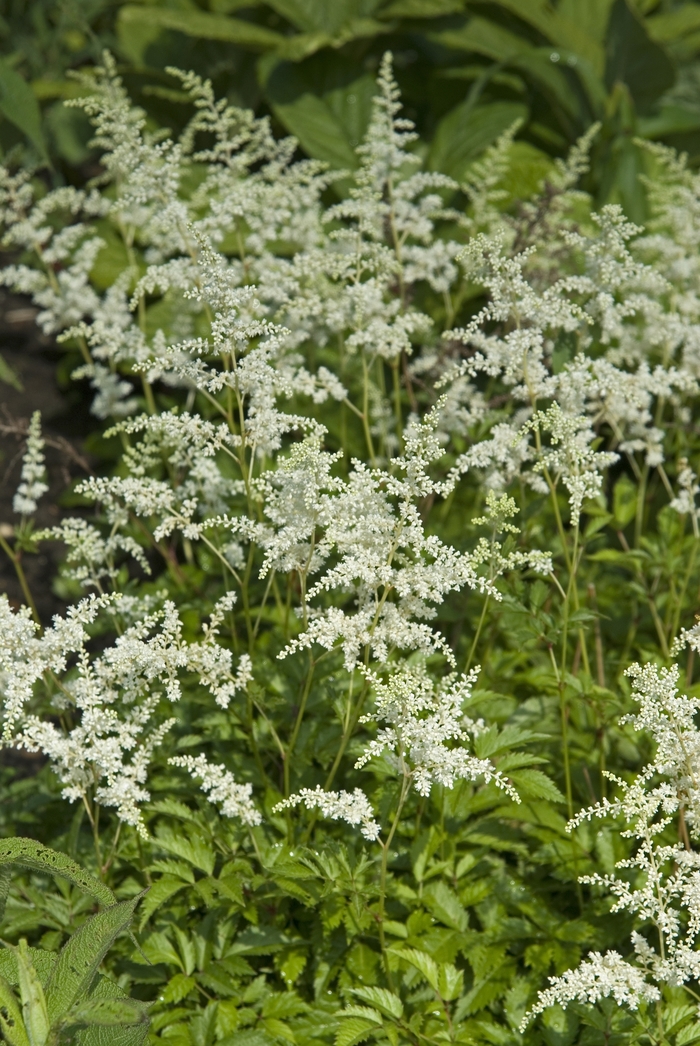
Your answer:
<point x="82" y="954"/>
<point x="329" y="120"/>
<point x="43" y="962"/>
<point x="11" y="1023"/>
<point x="34" y="1003"/>
<point x="322" y="16"/>
<point x="353" y="1030"/>
<point x="138" y="26"/>
<point x="591" y="17"/>
<point x="27" y="853"/>
<point x="670" y="119"/>
<point x="491" y="40"/>
<point x="18" y="104"/>
<point x="121" y="1035"/>
<point x="10" y="377"/>
<point x="563" y="32"/>
<point x="672" y="26"/>
<point x="466" y="132"/>
<point x="421" y="8"/>
<point x="384" y="1000"/>
<point x="634" y="59"/>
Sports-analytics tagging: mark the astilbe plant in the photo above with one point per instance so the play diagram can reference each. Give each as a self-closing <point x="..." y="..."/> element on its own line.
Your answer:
<point x="364" y="444"/>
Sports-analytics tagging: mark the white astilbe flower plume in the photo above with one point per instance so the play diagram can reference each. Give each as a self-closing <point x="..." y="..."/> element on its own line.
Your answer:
<point x="32" y="481"/>
<point x="598" y="977"/>
<point x="662" y="893"/>
<point x="113" y="697"/>
<point x="428" y="731"/>
<point x="353" y="807"/>
<point x="233" y="799"/>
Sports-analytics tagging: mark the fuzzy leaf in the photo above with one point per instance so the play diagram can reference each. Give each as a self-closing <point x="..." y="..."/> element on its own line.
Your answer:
<point x="82" y="954"/>
<point x="11" y="1023"/>
<point x="27" y="853"/>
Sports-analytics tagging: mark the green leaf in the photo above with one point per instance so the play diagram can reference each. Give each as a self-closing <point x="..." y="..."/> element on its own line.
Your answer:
<point x="4" y="889"/>
<point x="450" y="982"/>
<point x="673" y="26"/>
<point x="137" y="27"/>
<point x="82" y="954"/>
<point x="34" y="1003"/>
<point x="20" y="107"/>
<point x="322" y="16"/>
<point x="330" y="118"/>
<point x="424" y="963"/>
<point x="43" y="962"/>
<point x="465" y="133"/>
<point x="385" y="1001"/>
<point x="421" y="8"/>
<point x="161" y="891"/>
<point x="27" y="853"/>
<point x="11" y="1023"/>
<point x="353" y="1030"/>
<point x="634" y="59"/>
<point x="446" y="905"/>
<point x="624" y="501"/>
<point x="107" y="1012"/>
<point x="533" y="784"/>
<point x="192" y="848"/>
<point x="10" y="377"/>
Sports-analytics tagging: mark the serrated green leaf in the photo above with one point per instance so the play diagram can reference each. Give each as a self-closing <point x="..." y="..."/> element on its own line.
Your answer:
<point x="82" y="954"/>
<point x="385" y="1001"/>
<point x="451" y="982"/>
<point x="193" y="848"/>
<point x="27" y="853"/>
<point x="536" y="785"/>
<point x="424" y="963"/>
<point x="354" y="1030"/>
<point x="445" y="905"/>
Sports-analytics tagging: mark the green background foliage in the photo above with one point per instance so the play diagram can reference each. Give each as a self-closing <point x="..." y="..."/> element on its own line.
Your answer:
<point x="466" y="70"/>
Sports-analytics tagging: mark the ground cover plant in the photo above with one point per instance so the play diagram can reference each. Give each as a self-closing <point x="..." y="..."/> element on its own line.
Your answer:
<point x="378" y="670"/>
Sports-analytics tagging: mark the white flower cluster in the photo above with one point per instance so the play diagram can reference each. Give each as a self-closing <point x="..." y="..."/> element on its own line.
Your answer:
<point x="106" y="721"/>
<point x="234" y="799"/>
<point x="32" y="479"/>
<point x="258" y="304"/>
<point x="423" y="719"/>
<point x="353" y="807"/>
<point x="663" y="893"/>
